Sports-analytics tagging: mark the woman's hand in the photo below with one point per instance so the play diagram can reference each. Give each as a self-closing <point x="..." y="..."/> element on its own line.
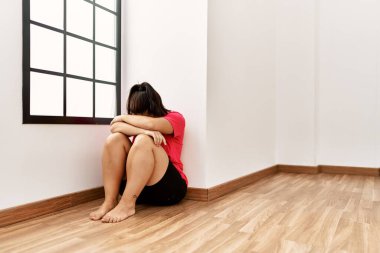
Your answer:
<point x="119" y="118"/>
<point x="116" y="127"/>
<point x="158" y="138"/>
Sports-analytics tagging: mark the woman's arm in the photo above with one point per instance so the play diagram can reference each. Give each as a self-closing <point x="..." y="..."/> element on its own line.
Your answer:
<point x="129" y="130"/>
<point x="146" y="122"/>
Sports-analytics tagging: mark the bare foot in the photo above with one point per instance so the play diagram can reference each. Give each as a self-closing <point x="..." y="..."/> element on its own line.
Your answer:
<point x="102" y="210"/>
<point x="120" y="212"/>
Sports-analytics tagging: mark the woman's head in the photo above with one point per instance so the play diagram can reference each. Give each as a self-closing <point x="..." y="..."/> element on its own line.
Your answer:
<point x="143" y="99"/>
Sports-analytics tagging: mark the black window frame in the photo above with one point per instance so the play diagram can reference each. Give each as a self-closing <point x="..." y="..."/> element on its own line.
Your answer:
<point x="34" y="119"/>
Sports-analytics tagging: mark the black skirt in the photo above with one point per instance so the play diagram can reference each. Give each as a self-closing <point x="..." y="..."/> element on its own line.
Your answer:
<point x="170" y="190"/>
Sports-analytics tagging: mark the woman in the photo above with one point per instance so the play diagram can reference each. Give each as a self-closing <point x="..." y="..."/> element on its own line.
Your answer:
<point x="152" y="163"/>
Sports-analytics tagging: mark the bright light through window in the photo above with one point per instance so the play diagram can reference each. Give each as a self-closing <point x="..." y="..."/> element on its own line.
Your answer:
<point x="71" y="58"/>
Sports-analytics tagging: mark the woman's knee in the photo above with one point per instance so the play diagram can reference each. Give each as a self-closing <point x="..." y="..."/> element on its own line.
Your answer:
<point x="142" y="140"/>
<point x="116" y="139"/>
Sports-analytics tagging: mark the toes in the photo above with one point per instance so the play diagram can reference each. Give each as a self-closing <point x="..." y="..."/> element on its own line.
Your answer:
<point x="96" y="215"/>
<point x="106" y="218"/>
<point x="110" y="218"/>
<point x="113" y="219"/>
<point x="93" y="216"/>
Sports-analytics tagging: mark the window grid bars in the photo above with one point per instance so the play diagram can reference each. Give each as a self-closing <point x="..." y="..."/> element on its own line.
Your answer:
<point x="64" y="58"/>
<point x="27" y="118"/>
<point x="94" y="58"/>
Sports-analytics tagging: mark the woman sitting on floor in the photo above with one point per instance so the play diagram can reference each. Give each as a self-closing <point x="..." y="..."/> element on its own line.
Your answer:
<point x="147" y="169"/>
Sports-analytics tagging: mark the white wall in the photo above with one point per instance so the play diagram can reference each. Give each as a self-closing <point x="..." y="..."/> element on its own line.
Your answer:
<point x="240" y="88"/>
<point x="295" y="82"/>
<point x="166" y="45"/>
<point x="328" y="83"/>
<point x="348" y="82"/>
<point x="38" y="161"/>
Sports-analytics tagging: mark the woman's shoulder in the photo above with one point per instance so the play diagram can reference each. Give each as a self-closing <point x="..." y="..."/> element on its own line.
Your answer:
<point x="175" y="114"/>
<point x="177" y="117"/>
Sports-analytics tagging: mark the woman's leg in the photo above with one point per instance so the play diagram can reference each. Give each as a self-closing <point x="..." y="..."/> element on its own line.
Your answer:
<point x="146" y="165"/>
<point x="115" y="153"/>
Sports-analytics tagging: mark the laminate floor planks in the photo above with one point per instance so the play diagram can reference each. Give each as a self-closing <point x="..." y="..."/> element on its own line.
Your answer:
<point x="284" y="212"/>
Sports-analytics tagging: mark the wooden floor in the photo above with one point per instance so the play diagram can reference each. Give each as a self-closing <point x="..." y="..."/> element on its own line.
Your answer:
<point x="281" y="213"/>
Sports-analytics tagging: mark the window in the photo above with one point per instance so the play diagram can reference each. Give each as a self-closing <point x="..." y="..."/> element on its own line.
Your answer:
<point x="71" y="61"/>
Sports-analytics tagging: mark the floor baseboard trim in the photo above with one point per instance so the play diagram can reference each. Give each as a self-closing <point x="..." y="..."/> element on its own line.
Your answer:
<point x="230" y="186"/>
<point x="198" y="194"/>
<point x="329" y="169"/>
<point x="29" y="211"/>
<point x="298" y="169"/>
<point x="208" y="194"/>
<point x="362" y="171"/>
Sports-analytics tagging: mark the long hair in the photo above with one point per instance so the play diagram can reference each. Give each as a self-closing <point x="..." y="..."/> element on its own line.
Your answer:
<point x="144" y="99"/>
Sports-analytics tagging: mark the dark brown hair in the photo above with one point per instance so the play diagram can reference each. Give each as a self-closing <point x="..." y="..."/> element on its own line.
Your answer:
<point x="144" y="99"/>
